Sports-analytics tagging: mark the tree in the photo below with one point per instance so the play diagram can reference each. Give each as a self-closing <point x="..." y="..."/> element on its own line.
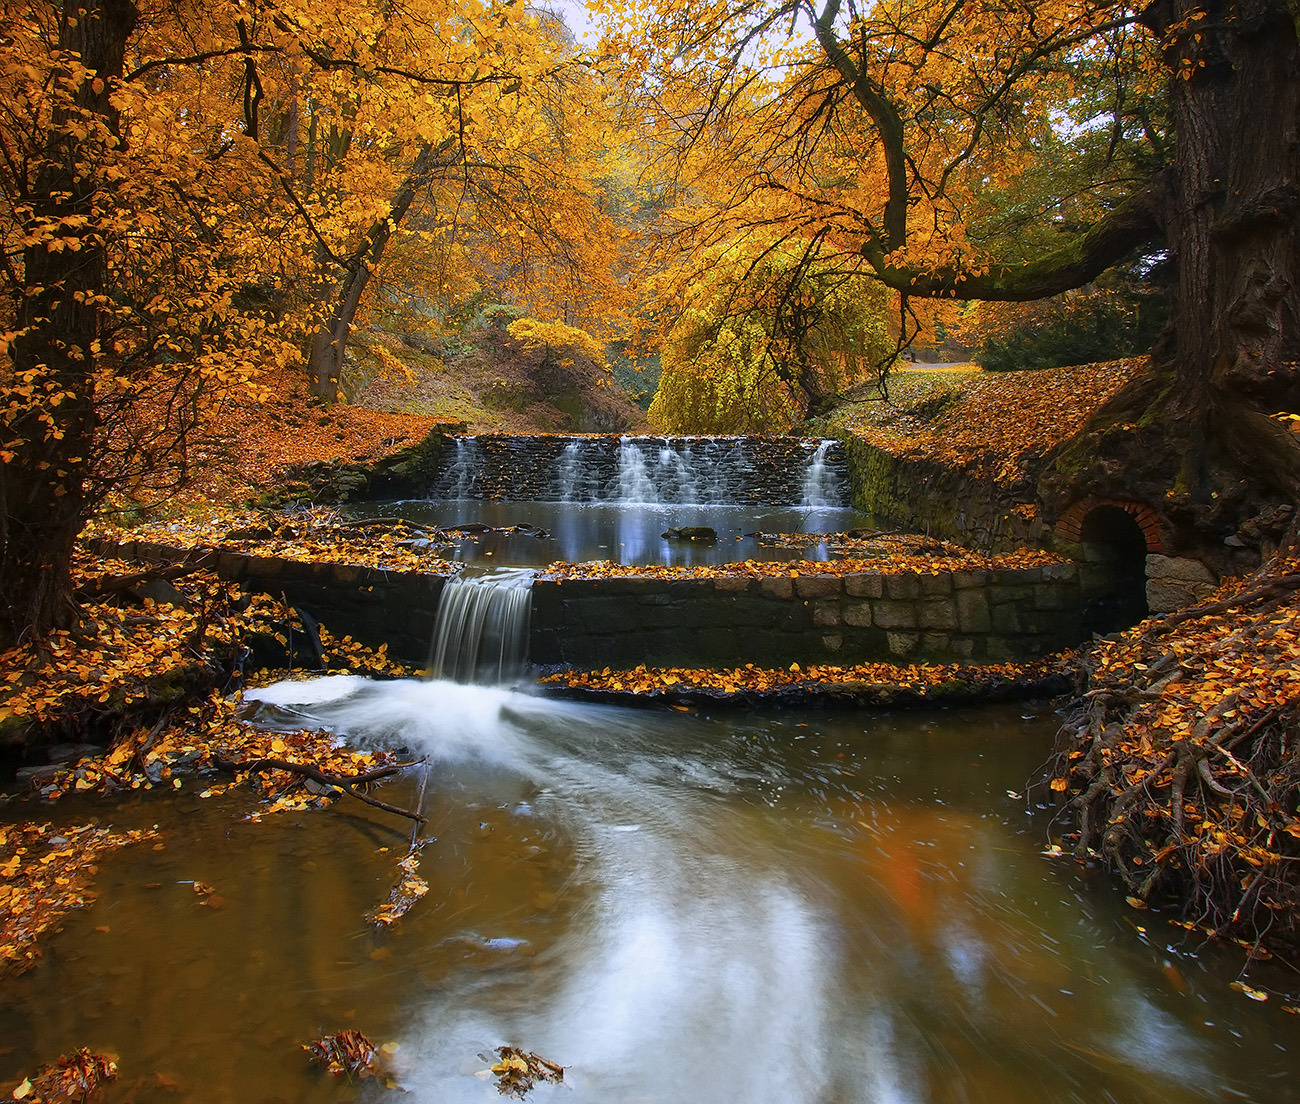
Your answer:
<point x="168" y="234"/>
<point x="766" y="336"/>
<point x="883" y="127"/>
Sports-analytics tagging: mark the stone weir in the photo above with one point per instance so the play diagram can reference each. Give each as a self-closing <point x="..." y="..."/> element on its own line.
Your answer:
<point x="719" y="620"/>
<point x="760" y="471"/>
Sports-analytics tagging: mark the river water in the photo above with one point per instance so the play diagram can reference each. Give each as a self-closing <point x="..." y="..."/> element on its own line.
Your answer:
<point x="786" y="907"/>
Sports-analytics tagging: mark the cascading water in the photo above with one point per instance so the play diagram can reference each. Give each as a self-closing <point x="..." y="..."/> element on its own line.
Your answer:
<point x="629" y="470"/>
<point x="461" y="477"/>
<point x="821" y="485"/>
<point x="481" y="632"/>
<point x="534" y="501"/>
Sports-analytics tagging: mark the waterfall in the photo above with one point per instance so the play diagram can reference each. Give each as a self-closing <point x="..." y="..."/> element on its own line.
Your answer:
<point x="645" y="471"/>
<point x="633" y="482"/>
<point x="481" y="632"/>
<point x="821" y="485"/>
<point x="461" y="477"/>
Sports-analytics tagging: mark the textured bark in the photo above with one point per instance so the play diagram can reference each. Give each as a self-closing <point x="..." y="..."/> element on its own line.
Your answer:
<point x="1196" y="435"/>
<point x="43" y="489"/>
<point x="330" y="343"/>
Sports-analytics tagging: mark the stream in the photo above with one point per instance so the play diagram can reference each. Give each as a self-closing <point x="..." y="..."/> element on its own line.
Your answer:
<point x="784" y="907"/>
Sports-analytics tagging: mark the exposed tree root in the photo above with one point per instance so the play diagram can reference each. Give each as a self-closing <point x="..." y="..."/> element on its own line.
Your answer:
<point x="1179" y="765"/>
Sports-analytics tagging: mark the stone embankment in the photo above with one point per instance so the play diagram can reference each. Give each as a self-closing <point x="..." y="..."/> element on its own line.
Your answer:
<point x="804" y="616"/>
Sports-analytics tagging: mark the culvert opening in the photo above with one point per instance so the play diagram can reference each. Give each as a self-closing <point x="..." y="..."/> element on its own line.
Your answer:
<point x="1113" y="573"/>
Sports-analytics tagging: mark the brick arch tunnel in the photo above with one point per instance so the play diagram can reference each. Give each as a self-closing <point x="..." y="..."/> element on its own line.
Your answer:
<point x="1114" y="537"/>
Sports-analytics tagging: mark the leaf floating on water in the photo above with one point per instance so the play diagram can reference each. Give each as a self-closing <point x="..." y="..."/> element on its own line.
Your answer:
<point x="76" y="1076"/>
<point x="349" y="1052"/>
<point x="518" y="1071"/>
<point x="1253" y="994"/>
<point x="409" y="888"/>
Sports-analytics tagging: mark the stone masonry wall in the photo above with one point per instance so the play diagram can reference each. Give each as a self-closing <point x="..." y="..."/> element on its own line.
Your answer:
<point x="982" y="616"/>
<point x="967" y="616"/>
<point x="920" y="495"/>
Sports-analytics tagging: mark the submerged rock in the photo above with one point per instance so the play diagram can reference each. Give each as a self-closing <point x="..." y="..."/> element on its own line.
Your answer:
<point x="703" y="533"/>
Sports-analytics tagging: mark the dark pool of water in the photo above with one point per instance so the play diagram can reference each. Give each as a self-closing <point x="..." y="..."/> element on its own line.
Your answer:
<point x="680" y="908"/>
<point x="626" y="533"/>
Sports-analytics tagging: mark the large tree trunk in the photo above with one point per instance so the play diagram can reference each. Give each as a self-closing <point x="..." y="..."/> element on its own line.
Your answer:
<point x="330" y="342"/>
<point x="1198" y="431"/>
<point x="49" y="436"/>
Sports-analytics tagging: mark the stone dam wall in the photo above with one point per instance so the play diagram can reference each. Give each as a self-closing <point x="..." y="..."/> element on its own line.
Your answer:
<point x="741" y="470"/>
<point x="926" y="497"/>
<point x="979" y="616"/>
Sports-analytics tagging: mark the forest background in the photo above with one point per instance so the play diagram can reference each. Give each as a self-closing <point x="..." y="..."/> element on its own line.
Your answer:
<point x="775" y="200"/>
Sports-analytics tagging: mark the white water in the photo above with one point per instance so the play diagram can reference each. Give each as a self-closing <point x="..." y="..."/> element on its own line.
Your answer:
<point x="481" y="632"/>
<point x="700" y="970"/>
<point x="821" y="486"/>
<point x="742" y="921"/>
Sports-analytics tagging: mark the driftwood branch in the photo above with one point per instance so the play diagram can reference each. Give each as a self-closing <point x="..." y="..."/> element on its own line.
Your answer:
<point x="347" y="783"/>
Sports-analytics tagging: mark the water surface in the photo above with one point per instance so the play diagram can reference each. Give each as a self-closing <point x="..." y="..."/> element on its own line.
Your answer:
<point x="828" y="908"/>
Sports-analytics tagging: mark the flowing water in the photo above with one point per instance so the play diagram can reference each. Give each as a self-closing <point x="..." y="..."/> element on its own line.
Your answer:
<point x="795" y="908"/>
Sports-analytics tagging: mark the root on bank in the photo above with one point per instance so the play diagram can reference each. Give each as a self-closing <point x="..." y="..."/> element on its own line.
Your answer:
<point x="1179" y="764"/>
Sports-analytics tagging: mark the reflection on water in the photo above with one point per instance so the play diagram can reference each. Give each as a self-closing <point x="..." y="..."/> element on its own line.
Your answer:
<point x="628" y="533"/>
<point x="790" y="908"/>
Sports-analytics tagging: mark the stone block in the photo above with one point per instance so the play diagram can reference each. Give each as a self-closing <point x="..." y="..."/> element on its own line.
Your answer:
<point x="935" y="646"/>
<point x="833" y="642"/>
<point x="826" y="615"/>
<point x="903" y="643"/>
<point x="902" y="588"/>
<point x="962" y="647"/>
<point x="973" y="612"/>
<point x="817" y="586"/>
<point x="606" y="614"/>
<point x="1050" y="596"/>
<point x="1002" y="593"/>
<point x="346" y="574"/>
<point x="1179" y="568"/>
<point x="857" y="614"/>
<point x="895" y="615"/>
<point x="998" y="649"/>
<point x="265" y="568"/>
<point x="1060" y="573"/>
<point x="865" y="586"/>
<point x="936" y="586"/>
<point x="717" y="645"/>
<point x="1017" y="575"/>
<point x="732" y="584"/>
<point x="1170" y="595"/>
<point x="780" y="586"/>
<point x="938" y="613"/>
<point x="969" y="580"/>
<point x="1007" y="620"/>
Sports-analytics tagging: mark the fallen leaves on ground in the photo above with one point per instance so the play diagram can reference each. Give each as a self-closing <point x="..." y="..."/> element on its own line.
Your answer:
<point x="885" y="679"/>
<point x="518" y="1071"/>
<point x="241" y="446"/>
<point x="73" y="1077"/>
<point x="44" y="873"/>
<point x="990" y="423"/>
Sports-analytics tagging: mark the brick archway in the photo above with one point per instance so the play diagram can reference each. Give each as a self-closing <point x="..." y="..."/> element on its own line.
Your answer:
<point x="1070" y="526"/>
